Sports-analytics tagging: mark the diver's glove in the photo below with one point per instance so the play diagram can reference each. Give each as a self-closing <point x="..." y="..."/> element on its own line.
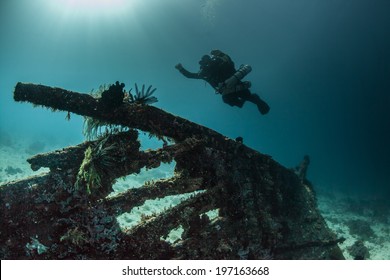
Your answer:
<point x="179" y="67"/>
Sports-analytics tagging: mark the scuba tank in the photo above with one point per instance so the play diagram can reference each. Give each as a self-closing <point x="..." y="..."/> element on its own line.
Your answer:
<point x="233" y="84"/>
<point x="244" y="70"/>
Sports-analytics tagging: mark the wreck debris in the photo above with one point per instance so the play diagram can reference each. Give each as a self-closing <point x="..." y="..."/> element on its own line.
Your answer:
<point x="301" y="169"/>
<point x="264" y="210"/>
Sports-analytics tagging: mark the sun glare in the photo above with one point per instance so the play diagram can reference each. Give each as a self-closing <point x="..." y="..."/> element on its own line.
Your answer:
<point x="91" y="7"/>
<point x="91" y="4"/>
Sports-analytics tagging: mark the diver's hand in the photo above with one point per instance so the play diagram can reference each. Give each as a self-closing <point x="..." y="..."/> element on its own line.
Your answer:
<point x="179" y="66"/>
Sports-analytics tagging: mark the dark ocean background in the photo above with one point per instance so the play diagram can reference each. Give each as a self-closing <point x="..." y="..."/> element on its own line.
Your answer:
<point x="323" y="67"/>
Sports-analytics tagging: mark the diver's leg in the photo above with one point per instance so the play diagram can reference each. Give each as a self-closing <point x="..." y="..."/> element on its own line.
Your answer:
<point x="233" y="100"/>
<point x="262" y="106"/>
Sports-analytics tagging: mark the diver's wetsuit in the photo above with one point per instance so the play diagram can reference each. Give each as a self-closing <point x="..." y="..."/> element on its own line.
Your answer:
<point x="215" y="71"/>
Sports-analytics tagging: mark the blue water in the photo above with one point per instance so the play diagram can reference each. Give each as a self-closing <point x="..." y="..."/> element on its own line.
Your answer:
<point x="323" y="67"/>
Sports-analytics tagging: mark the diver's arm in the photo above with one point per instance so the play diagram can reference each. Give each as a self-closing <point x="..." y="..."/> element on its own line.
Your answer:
<point x="187" y="73"/>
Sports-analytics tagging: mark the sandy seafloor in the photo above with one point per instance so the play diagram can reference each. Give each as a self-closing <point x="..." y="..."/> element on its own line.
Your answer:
<point x="354" y="218"/>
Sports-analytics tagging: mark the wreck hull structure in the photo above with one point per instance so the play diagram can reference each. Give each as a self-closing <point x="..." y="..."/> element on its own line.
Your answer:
<point x="264" y="210"/>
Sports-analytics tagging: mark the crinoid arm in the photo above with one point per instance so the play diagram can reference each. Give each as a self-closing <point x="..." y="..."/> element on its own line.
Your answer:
<point x="94" y="128"/>
<point x="98" y="162"/>
<point x="142" y="97"/>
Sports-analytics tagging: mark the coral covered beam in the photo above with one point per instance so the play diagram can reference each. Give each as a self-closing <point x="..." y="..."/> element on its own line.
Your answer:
<point x="125" y="201"/>
<point x="146" y="118"/>
<point x="56" y="98"/>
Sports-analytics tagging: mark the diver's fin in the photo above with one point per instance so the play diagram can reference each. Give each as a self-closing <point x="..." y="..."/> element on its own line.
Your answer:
<point x="263" y="107"/>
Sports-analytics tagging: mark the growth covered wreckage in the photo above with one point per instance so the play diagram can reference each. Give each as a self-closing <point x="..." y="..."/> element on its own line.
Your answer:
<point x="264" y="210"/>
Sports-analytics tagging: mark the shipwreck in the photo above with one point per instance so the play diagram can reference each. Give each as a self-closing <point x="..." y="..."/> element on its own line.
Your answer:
<point x="264" y="210"/>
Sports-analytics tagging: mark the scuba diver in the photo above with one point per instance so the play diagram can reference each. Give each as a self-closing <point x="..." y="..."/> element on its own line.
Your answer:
<point x="219" y="71"/>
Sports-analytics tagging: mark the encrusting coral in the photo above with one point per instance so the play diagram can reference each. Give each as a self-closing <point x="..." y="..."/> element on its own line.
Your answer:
<point x="113" y="96"/>
<point x="75" y="236"/>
